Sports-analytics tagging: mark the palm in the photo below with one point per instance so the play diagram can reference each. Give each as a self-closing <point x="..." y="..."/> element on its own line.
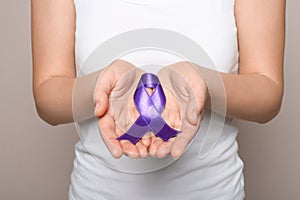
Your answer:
<point x="118" y="112"/>
<point x="187" y="89"/>
<point x="173" y="117"/>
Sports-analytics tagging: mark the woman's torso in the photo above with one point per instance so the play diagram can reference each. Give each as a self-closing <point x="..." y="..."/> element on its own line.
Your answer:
<point x="217" y="174"/>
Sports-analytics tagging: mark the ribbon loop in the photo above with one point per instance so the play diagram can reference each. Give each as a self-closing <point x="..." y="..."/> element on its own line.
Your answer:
<point x="150" y="108"/>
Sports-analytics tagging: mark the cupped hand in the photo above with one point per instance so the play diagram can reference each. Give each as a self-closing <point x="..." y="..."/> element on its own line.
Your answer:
<point x="115" y="108"/>
<point x="186" y="94"/>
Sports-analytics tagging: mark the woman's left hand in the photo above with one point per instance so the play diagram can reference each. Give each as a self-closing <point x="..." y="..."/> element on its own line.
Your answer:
<point x="183" y="86"/>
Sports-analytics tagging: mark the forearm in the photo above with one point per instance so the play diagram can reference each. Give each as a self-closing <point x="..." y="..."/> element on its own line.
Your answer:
<point x="53" y="100"/>
<point x="252" y="97"/>
<point x="61" y="100"/>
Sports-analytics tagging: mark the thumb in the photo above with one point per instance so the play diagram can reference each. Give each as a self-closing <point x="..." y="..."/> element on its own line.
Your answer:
<point x="101" y="105"/>
<point x="102" y="91"/>
<point x="197" y="98"/>
<point x="192" y="111"/>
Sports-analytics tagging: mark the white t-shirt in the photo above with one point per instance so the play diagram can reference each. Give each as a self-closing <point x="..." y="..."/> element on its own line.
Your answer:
<point x="210" y="169"/>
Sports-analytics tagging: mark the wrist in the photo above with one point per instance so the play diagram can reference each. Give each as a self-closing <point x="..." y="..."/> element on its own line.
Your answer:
<point x="83" y="95"/>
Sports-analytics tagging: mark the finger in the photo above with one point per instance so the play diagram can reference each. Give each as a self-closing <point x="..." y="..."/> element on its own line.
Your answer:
<point x="143" y="150"/>
<point x="130" y="149"/>
<point x="182" y="140"/>
<point x="165" y="148"/>
<point x="108" y="134"/>
<point x="146" y="139"/>
<point x="156" y="141"/>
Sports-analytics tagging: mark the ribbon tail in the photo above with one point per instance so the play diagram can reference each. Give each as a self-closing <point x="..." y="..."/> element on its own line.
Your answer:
<point x="167" y="132"/>
<point x="129" y="137"/>
<point x="136" y="131"/>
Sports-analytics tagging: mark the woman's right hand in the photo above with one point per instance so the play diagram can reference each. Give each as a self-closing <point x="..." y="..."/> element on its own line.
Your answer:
<point x="115" y="108"/>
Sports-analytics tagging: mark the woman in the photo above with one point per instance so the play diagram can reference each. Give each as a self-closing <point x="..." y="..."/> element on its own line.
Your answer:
<point x="244" y="38"/>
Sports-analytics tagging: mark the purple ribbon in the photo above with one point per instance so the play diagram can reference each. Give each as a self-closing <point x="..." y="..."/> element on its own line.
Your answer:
<point x="150" y="109"/>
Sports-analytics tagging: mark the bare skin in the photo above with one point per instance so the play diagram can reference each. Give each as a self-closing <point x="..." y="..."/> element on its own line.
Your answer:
<point x="115" y="108"/>
<point x="254" y="94"/>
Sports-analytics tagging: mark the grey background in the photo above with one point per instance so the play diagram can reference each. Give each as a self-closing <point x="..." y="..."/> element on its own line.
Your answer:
<point x="36" y="159"/>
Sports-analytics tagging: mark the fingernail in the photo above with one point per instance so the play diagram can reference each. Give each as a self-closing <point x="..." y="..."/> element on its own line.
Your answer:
<point x="175" y="158"/>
